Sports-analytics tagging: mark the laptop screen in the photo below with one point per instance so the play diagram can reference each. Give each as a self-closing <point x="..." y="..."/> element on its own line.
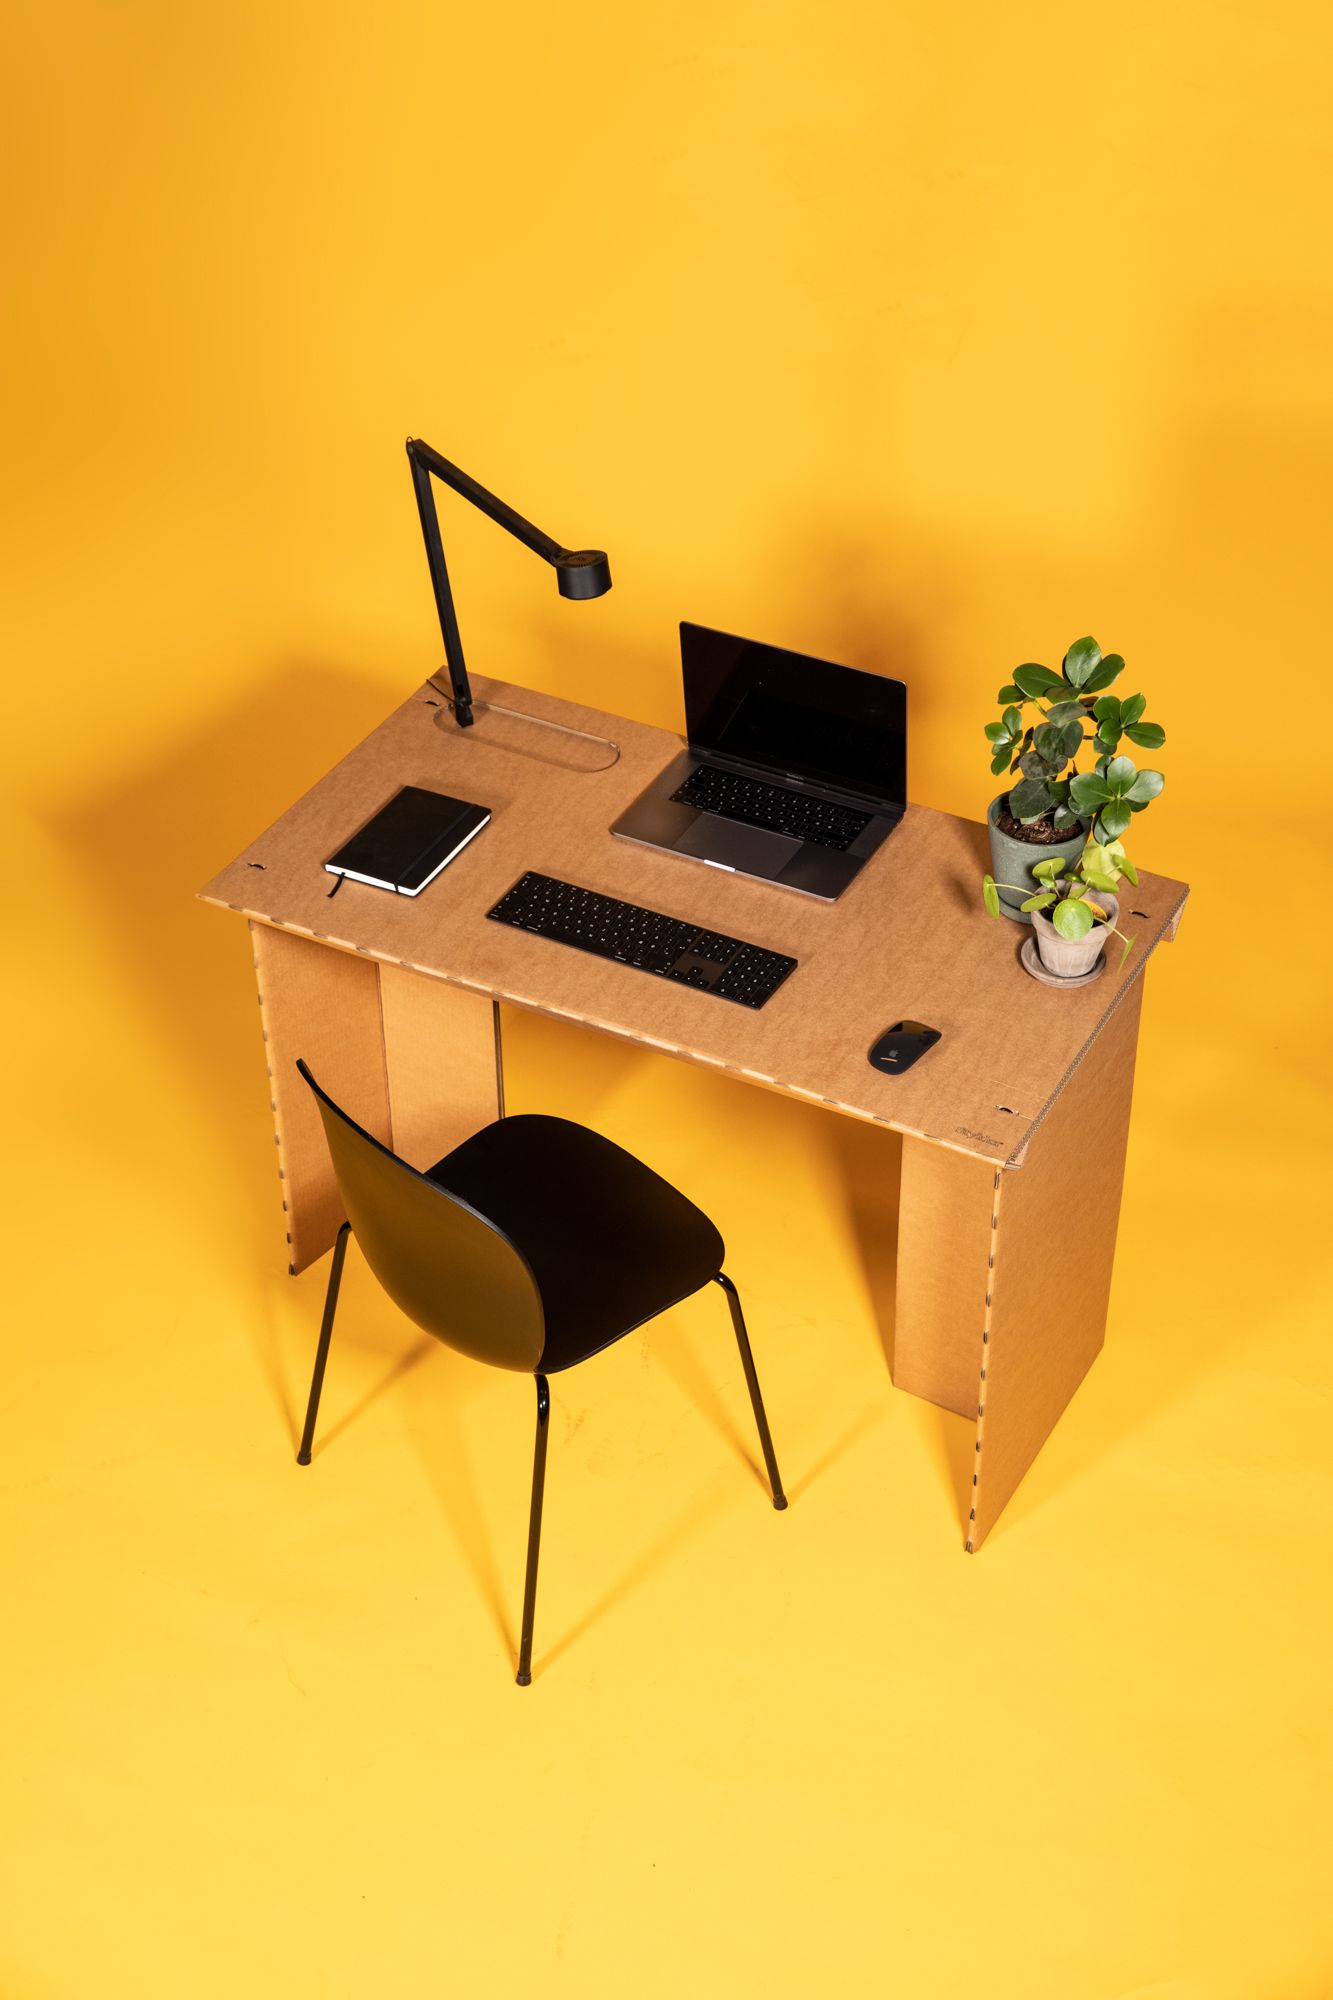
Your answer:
<point x="795" y="717"/>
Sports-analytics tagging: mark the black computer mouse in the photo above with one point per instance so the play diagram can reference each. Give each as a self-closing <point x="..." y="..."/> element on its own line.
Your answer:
<point x="902" y="1045"/>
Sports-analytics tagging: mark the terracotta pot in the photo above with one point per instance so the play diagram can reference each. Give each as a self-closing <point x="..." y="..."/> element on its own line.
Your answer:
<point x="1012" y="860"/>
<point x="1070" y="960"/>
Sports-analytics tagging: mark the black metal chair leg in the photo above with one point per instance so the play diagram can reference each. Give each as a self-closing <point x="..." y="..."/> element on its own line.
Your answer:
<point x="534" y="1533"/>
<point x="752" y="1383"/>
<point x="325" y="1335"/>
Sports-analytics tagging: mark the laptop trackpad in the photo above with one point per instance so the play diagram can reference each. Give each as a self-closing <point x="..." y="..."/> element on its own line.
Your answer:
<point x="752" y="850"/>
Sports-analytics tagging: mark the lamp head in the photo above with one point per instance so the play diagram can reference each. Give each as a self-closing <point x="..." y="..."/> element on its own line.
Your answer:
<point x="582" y="573"/>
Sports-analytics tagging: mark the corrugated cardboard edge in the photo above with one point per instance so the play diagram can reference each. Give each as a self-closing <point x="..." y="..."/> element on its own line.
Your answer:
<point x="1044" y="1322"/>
<point x="969" y="1545"/>
<point x="307" y="1002"/>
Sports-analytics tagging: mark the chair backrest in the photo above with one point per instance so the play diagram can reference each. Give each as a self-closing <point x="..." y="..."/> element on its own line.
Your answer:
<point x="449" y="1269"/>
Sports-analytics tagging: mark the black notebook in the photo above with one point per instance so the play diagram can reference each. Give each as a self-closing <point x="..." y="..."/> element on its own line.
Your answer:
<point x="409" y="840"/>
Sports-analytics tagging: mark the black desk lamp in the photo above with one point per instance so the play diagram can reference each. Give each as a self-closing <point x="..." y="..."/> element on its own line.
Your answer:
<point x="578" y="572"/>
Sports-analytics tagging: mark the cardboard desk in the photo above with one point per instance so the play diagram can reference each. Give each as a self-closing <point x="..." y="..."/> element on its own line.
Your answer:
<point x="1020" y="1113"/>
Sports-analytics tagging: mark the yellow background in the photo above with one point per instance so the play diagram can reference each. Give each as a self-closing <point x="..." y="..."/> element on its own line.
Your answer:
<point x="923" y="338"/>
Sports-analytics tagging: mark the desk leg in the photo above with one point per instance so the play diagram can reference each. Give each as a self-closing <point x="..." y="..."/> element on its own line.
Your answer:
<point x="413" y="1060"/>
<point x="1004" y="1277"/>
<point x="442" y="1057"/>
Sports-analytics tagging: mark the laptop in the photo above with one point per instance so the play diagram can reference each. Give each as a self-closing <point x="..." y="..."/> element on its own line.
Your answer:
<point x="796" y="769"/>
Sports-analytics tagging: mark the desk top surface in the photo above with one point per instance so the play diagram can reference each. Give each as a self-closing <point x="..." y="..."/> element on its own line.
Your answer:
<point x="908" y="940"/>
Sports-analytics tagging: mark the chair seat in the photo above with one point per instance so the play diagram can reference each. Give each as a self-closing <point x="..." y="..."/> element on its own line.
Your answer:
<point x="609" y="1242"/>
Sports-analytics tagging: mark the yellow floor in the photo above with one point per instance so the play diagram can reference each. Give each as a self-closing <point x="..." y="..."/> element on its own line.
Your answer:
<point x="919" y="338"/>
<point x="261" y="1728"/>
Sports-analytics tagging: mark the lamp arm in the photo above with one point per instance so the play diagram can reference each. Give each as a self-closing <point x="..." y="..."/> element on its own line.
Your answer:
<point x="422" y="455"/>
<point x="425" y="461"/>
<point x="444" y="598"/>
<point x="580" y="573"/>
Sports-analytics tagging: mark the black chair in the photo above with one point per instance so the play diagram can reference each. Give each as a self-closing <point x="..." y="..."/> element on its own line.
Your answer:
<point x="533" y="1245"/>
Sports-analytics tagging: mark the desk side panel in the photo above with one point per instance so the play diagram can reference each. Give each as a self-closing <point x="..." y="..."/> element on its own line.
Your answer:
<point x="323" y="1007"/>
<point x="442" y="1057"/>
<point x="1056" y="1220"/>
<point x="946" y="1211"/>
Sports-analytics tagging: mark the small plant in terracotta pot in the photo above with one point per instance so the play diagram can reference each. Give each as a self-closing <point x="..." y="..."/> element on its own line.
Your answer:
<point x="1074" y="910"/>
<point x="1048" y="720"/>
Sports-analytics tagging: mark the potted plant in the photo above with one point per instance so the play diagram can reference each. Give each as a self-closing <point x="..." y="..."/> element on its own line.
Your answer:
<point x="1074" y="909"/>
<point x="1048" y="720"/>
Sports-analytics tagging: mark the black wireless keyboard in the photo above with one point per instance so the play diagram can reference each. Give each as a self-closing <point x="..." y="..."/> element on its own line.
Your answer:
<point x="644" y="939"/>
<point x="754" y="804"/>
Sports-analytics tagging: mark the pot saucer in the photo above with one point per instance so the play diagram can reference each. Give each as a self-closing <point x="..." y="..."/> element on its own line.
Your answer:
<point x="1031" y="958"/>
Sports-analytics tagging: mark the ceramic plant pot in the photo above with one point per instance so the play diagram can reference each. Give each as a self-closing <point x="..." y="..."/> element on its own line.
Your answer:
<point x="1012" y="860"/>
<point x="1068" y="959"/>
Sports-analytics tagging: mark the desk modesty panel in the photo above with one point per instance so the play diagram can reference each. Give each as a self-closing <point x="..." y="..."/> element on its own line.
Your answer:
<point x="908" y="940"/>
<point x="393" y="1001"/>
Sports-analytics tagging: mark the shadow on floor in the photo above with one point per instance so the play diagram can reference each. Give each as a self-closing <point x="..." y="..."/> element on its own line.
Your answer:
<point x="148" y="843"/>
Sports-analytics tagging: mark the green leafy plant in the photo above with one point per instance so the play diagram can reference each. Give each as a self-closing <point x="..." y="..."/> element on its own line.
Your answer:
<point x="1073" y="711"/>
<point x="1070" y="893"/>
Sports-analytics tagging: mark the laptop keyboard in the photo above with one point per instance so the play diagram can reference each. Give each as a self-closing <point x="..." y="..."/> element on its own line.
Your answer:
<point x="771" y="806"/>
<point x="645" y="939"/>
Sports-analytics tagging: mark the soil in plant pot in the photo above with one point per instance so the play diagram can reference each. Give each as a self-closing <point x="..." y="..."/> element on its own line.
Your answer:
<point x="1042" y="832"/>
